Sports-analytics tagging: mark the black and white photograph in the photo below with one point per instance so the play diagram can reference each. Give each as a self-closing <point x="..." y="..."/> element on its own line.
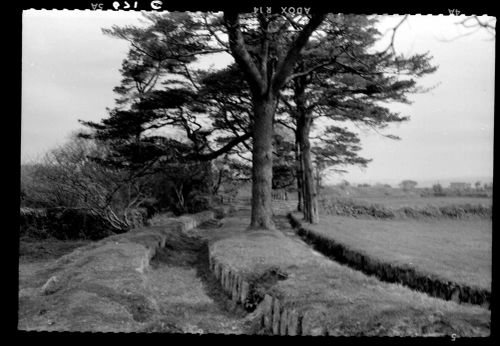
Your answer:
<point x="269" y="171"/>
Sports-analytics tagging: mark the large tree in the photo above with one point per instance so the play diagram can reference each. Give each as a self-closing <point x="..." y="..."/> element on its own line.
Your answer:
<point x="329" y="68"/>
<point x="343" y="78"/>
<point x="174" y="39"/>
<point x="267" y="60"/>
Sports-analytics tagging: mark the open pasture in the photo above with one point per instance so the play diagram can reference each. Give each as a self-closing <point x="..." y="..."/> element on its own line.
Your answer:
<point x="397" y="198"/>
<point x="456" y="250"/>
<point x="417" y="201"/>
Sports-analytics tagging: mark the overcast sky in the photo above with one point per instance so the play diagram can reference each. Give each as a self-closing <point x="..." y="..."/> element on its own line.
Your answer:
<point x="70" y="69"/>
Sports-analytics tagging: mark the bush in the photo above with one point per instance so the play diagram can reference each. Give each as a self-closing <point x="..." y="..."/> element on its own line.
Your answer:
<point x="466" y="210"/>
<point x="199" y="203"/>
<point x="348" y="207"/>
<point x="67" y="223"/>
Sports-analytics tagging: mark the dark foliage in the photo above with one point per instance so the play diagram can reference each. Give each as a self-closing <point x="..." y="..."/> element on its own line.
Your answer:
<point x="69" y="224"/>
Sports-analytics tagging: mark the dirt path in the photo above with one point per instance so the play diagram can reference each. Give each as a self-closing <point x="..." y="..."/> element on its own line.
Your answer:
<point x="188" y="296"/>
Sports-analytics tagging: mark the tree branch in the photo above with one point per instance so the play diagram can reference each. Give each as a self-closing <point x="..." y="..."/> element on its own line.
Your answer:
<point x="213" y="33"/>
<point x="286" y="65"/>
<point x="237" y="44"/>
<point x="307" y="72"/>
<point x="210" y="156"/>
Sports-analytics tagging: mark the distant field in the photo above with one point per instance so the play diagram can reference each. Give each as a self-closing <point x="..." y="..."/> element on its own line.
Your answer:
<point x="457" y="250"/>
<point x="415" y="201"/>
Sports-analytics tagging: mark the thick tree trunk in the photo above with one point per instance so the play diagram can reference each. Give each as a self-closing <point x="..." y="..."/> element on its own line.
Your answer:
<point x="309" y="187"/>
<point x="265" y="80"/>
<point x="262" y="165"/>
<point x="304" y="122"/>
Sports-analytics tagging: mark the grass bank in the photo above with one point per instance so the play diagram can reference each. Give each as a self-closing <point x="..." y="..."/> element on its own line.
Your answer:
<point x="301" y="292"/>
<point x="102" y="286"/>
<point x="447" y="259"/>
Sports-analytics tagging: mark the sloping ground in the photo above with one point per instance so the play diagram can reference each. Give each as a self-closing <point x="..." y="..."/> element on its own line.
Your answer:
<point x="448" y="259"/>
<point x="103" y="286"/>
<point x="304" y="293"/>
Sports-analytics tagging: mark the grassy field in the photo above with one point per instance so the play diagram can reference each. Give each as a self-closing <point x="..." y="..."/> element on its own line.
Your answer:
<point x="458" y="250"/>
<point x="394" y="203"/>
<point x="416" y="201"/>
<point x="396" y="197"/>
<point x="393" y="196"/>
<point x="341" y="300"/>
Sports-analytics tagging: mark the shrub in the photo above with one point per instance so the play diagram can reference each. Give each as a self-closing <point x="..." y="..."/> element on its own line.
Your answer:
<point x="466" y="210"/>
<point x="68" y="223"/>
<point x="348" y="207"/>
<point x="199" y="203"/>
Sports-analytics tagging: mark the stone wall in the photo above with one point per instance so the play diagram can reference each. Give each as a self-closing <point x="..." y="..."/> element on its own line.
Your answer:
<point x="275" y="317"/>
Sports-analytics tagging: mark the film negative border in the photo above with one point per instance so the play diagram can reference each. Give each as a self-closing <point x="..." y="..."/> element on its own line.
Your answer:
<point x="417" y="8"/>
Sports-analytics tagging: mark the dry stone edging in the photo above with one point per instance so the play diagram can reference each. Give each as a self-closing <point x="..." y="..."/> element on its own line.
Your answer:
<point x="407" y="276"/>
<point x="275" y="317"/>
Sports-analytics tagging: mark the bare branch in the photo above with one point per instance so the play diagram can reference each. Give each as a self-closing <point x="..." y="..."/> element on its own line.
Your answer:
<point x="393" y="35"/>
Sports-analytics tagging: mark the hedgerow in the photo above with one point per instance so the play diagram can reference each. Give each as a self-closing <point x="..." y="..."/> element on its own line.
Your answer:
<point x="353" y="208"/>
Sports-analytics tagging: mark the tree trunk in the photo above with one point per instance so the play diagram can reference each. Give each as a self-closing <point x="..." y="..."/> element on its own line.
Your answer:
<point x="304" y="122"/>
<point x="265" y="82"/>
<point x="298" y="172"/>
<point x="262" y="165"/>
<point x="309" y="187"/>
<point x="318" y="177"/>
